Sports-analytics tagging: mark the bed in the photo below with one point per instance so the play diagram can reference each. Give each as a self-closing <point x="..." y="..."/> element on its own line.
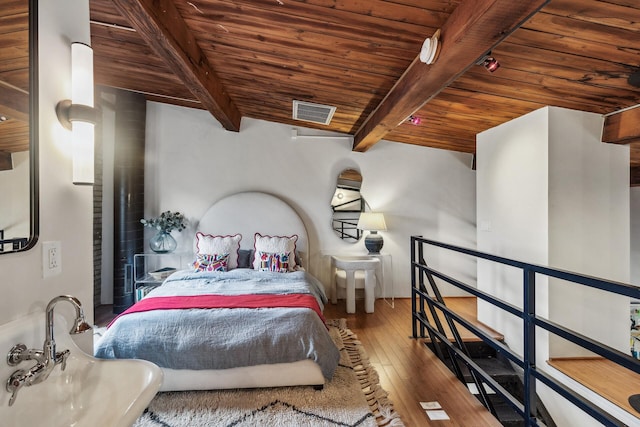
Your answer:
<point x="257" y="324"/>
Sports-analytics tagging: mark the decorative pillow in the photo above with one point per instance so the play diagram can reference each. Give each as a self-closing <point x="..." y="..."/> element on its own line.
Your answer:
<point x="208" y="244"/>
<point x="274" y="262"/>
<point x="274" y="245"/>
<point x="210" y="262"/>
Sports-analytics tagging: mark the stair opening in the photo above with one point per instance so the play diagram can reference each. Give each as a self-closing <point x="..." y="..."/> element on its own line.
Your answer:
<point x="503" y="372"/>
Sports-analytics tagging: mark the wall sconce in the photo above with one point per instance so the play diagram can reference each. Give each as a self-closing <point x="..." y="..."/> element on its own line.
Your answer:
<point x="374" y="222"/>
<point x="79" y="115"/>
<point x="489" y="62"/>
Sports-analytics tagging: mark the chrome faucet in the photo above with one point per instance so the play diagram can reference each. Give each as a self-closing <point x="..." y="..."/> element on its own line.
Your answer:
<point x="47" y="358"/>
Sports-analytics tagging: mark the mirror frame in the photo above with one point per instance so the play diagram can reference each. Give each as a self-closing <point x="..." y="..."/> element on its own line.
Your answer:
<point x="34" y="121"/>
<point x="34" y="200"/>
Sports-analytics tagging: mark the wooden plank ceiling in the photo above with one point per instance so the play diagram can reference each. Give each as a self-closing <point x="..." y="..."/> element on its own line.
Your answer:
<point x="252" y="58"/>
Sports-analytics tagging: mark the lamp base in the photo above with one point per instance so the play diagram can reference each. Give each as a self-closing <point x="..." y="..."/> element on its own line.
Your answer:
<point x="373" y="242"/>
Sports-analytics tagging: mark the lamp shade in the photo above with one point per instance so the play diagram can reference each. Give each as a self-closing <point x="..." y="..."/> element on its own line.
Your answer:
<point x="372" y="221"/>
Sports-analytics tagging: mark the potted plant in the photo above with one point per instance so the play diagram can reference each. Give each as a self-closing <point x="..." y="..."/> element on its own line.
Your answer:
<point x="163" y="241"/>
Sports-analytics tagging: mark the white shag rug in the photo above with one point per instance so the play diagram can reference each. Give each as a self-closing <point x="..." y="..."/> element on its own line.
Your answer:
<point x="352" y="398"/>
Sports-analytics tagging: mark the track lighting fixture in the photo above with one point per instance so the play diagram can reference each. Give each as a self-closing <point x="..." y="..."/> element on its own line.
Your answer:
<point x="489" y="62"/>
<point x="414" y="120"/>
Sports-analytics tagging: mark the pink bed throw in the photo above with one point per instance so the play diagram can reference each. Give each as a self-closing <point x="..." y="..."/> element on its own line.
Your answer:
<point x="224" y="301"/>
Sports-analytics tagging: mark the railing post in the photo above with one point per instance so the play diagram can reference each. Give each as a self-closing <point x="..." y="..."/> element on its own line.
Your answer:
<point x="420" y="260"/>
<point x="529" y="311"/>
<point x="413" y="286"/>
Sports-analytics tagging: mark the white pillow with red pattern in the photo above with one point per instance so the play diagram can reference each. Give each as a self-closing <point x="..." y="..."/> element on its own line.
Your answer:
<point x="208" y="244"/>
<point x="274" y="245"/>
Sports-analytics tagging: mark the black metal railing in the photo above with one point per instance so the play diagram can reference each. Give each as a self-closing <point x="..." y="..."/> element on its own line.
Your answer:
<point x="421" y="295"/>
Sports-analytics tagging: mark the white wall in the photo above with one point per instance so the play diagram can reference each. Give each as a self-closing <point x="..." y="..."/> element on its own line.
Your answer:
<point x="65" y="209"/>
<point x="512" y="209"/>
<point x="588" y="228"/>
<point x="549" y="192"/>
<point x="191" y="162"/>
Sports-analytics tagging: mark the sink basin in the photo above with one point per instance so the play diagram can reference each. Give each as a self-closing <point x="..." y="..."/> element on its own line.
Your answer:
<point x="89" y="392"/>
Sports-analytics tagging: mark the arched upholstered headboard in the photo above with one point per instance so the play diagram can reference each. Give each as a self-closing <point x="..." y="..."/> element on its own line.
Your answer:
<point x="254" y="212"/>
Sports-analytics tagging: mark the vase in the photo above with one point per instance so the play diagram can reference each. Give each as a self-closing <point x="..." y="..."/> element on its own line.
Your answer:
<point x="163" y="243"/>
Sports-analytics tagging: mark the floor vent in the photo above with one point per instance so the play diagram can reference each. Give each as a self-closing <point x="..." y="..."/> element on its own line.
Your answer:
<point x="310" y="112"/>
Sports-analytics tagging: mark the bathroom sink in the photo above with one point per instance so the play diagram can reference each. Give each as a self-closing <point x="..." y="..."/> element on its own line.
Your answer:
<point x="89" y="392"/>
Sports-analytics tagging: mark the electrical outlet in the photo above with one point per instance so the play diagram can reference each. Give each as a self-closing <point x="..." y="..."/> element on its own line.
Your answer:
<point x="51" y="259"/>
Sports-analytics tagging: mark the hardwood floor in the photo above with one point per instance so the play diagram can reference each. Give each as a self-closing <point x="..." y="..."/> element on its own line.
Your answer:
<point x="408" y="371"/>
<point x="611" y="381"/>
<point x="466" y="307"/>
<point x="103" y="314"/>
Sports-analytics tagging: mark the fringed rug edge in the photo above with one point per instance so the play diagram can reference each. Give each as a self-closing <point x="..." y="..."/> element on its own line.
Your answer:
<point x="377" y="398"/>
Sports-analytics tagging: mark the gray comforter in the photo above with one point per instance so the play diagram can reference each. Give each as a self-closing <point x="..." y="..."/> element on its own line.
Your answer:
<point x="225" y="338"/>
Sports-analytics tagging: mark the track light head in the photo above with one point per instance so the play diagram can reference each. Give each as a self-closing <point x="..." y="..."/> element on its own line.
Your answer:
<point x="414" y="120"/>
<point x="491" y="64"/>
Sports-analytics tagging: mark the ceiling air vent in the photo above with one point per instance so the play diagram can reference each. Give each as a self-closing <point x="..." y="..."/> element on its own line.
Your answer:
<point x="310" y="112"/>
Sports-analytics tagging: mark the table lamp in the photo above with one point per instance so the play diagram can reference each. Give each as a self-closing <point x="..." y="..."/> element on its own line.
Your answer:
<point x="373" y="222"/>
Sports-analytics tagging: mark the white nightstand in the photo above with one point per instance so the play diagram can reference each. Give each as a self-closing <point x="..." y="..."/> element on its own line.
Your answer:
<point x="145" y="267"/>
<point x="386" y="278"/>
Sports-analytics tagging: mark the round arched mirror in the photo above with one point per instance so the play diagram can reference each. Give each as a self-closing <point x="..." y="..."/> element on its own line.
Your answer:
<point x="347" y="204"/>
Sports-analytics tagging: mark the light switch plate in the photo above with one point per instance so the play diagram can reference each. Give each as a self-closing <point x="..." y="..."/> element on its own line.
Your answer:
<point x="51" y="258"/>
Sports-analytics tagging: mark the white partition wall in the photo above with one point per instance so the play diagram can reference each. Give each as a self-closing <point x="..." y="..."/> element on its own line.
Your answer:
<point x="512" y="212"/>
<point x="549" y="192"/>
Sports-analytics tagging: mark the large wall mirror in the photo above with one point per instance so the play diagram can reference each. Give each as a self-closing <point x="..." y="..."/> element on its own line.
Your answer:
<point x="18" y="125"/>
<point x="347" y="204"/>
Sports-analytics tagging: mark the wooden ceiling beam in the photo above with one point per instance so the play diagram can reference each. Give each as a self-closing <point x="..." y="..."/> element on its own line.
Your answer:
<point x="634" y="176"/>
<point x="15" y="103"/>
<point x="160" y="24"/>
<point x="622" y="128"/>
<point x="6" y="163"/>
<point x="473" y="29"/>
